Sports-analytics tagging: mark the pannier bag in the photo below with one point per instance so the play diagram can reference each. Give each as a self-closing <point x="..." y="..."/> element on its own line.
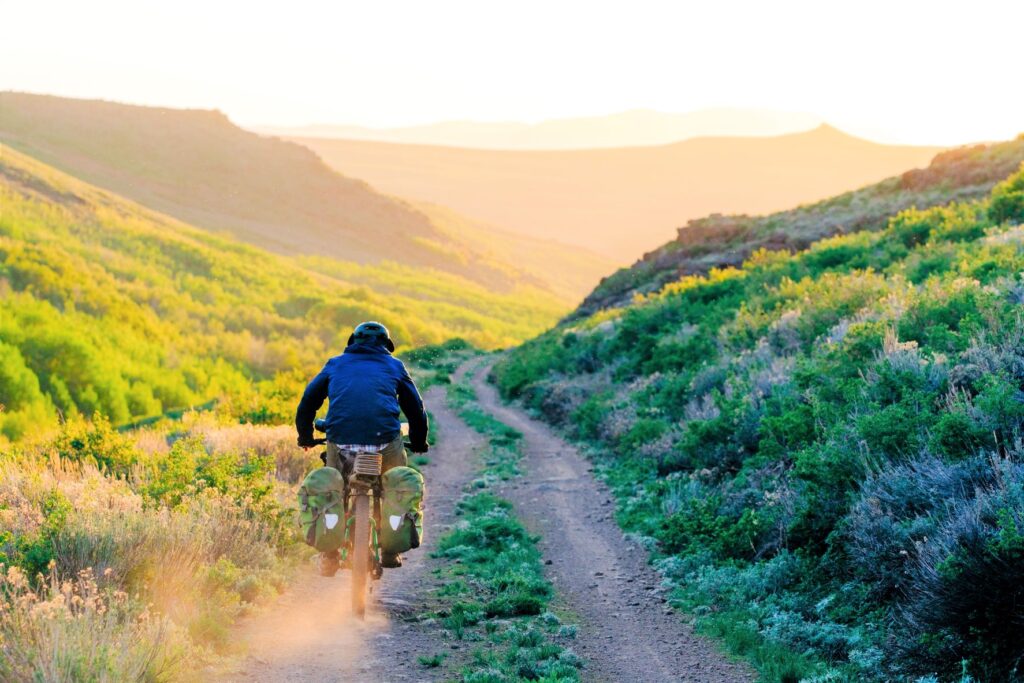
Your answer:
<point x="322" y="509"/>
<point x="401" y="510"/>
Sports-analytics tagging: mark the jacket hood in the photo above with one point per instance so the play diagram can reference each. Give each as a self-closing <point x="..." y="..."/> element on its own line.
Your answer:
<point x="367" y="347"/>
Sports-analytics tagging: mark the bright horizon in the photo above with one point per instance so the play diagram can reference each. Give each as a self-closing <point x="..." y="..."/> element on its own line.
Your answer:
<point x="910" y="73"/>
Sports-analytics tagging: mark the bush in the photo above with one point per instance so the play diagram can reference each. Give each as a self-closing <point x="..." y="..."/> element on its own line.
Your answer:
<point x="99" y="443"/>
<point x="1007" y="202"/>
<point x="966" y="588"/>
<point x="76" y="631"/>
<point x="191" y="538"/>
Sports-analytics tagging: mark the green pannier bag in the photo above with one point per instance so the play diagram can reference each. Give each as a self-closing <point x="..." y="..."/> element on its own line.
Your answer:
<point x="401" y="510"/>
<point x="322" y="509"/>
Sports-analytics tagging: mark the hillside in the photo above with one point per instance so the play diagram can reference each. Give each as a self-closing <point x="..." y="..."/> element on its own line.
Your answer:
<point x="200" y="168"/>
<point x="622" y="202"/>
<point x="108" y="307"/>
<point x="626" y="129"/>
<point x="822" y="449"/>
<point x="720" y="241"/>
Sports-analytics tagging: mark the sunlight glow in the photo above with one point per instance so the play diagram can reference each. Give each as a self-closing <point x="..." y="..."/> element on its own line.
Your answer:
<point x="934" y="72"/>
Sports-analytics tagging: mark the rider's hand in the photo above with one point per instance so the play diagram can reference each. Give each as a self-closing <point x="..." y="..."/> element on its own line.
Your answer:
<point x="419" y="447"/>
<point x="306" y="441"/>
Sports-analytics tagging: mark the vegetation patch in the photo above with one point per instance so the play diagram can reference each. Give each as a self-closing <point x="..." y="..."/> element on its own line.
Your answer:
<point x="501" y="460"/>
<point x="129" y="556"/>
<point x="493" y="592"/>
<point x="109" y="309"/>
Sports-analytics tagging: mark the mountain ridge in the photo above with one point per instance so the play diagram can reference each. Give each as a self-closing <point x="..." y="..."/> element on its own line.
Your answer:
<point x="197" y="166"/>
<point x="623" y="202"/>
<point x="634" y="127"/>
<point x="719" y="241"/>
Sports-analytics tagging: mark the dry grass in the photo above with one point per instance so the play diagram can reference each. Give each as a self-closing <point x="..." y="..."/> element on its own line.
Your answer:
<point x="278" y="442"/>
<point x="74" y="630"/>
<point x="136" y="583"/>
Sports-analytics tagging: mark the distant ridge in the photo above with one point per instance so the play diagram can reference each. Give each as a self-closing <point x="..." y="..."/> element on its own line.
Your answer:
<point x="622" y="202"/>
<point x="638" y="127"/>
<point x="199" y="167"/>
<point x="720" y="241"/>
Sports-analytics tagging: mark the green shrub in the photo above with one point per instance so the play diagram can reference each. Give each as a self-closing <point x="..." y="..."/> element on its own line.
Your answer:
<point x="1007" y="202"/>
<point x="99" y="443"/>
<point x="969" y="584"/>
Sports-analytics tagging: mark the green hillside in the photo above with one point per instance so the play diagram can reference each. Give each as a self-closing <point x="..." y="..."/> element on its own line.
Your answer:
<point x="107" y="307"/>
<point x="721" y="241"/>
<point x="200" y="168"/>
<point x="823" y="449"/>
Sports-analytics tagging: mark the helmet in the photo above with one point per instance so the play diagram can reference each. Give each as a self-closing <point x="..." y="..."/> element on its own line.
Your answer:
<point x="371" y="331"/>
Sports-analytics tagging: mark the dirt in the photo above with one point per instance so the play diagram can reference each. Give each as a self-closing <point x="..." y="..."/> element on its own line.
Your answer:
<point x="626" y="633"/>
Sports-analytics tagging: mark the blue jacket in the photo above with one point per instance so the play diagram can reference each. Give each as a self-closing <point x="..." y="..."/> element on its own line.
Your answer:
<point x="367" y="387"/>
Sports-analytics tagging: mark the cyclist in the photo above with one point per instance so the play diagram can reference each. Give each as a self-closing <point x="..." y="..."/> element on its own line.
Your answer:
<point x="366" y="387"/>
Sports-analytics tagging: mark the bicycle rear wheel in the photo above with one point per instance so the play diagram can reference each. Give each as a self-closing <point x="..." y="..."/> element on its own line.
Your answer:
<point x="360" y="553"/>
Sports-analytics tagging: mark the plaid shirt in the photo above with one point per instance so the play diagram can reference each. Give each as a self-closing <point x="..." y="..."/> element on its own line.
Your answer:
<point x="360" y="447"/>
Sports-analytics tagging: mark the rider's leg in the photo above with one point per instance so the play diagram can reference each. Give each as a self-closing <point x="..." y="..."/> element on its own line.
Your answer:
<point x="394" y="454"/>
<point x="337" y="460"/>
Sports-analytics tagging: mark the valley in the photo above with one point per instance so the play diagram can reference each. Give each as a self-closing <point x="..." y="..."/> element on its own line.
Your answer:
<point x="784" y="444"/>
<point x="622" y="202"/>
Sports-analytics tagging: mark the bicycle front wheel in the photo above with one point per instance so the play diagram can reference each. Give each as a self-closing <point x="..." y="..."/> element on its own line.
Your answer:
<point x="360" y="553"/>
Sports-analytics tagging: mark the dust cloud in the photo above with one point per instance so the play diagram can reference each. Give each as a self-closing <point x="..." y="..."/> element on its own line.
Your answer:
<point x="310" y="634"/>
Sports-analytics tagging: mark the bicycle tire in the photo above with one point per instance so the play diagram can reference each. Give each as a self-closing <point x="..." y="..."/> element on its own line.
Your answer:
<point x="360" y="554"/>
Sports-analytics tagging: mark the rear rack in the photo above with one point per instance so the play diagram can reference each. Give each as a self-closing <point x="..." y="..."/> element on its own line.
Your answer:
<point x="368" y="464"/>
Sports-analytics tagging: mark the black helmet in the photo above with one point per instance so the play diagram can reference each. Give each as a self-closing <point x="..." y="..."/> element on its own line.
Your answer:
<point x="372" y="332"/>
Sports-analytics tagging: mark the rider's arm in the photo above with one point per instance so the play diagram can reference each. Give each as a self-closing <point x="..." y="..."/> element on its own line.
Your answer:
<point x="412" y="405"/>
<point x="312" y="399"/>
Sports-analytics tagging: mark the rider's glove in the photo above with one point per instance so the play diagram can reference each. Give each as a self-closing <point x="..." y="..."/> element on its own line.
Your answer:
<point x="306" y="441"/>
<point x="419" y="447"/>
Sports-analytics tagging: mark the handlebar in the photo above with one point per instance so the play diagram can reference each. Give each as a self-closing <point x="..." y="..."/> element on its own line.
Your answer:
<point x="320" y="425"/>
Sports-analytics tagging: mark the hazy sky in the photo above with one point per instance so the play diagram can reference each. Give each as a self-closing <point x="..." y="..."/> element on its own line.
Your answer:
<point x="893" y="70"/>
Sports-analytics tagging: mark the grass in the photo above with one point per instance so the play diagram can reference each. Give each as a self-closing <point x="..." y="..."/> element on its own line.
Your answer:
<point x="129" y="556"/>
<point x="493" y="590"/>
<point x="500" y="460"/>
<point x="433" y="661"/>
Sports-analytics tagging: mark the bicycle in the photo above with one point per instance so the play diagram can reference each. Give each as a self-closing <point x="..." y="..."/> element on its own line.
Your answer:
<point x="361" y="548"/>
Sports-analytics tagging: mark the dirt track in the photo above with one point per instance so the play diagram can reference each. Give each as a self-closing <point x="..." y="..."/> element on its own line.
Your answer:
<point x="626" y="633"/>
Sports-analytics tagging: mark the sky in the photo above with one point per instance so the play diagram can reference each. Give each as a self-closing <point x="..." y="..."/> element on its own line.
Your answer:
<point x="900" y="71"/>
